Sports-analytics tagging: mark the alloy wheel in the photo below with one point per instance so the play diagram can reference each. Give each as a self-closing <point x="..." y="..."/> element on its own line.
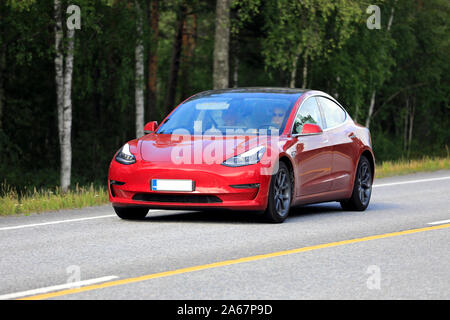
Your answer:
<point x="282" y="192"/>
<point x="364" y="183"/>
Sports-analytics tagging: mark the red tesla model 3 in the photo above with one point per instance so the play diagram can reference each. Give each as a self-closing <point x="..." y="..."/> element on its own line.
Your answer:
<point x="259" y="149"/>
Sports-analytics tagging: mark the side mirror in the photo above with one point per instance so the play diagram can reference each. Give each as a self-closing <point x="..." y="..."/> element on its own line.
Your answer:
<point x="150" y="127"/>
<point x="309" y="128"/>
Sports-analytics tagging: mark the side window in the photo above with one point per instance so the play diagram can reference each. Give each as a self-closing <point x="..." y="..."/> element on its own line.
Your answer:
<point x="334" y="115"/>
<point x="308" y="113"/>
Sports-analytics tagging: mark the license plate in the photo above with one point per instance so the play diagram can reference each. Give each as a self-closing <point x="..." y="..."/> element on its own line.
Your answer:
<point x="172" y="185"/>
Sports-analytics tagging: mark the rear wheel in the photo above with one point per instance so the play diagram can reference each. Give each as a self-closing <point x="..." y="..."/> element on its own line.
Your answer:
<point x="130" y="213"/>
<point x="280" y="195"/>
<point x="362" y="188"/>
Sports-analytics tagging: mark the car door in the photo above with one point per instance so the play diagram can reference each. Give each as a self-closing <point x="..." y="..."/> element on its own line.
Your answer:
<point x="313" y="154"/>
<point x="342" y="137"/>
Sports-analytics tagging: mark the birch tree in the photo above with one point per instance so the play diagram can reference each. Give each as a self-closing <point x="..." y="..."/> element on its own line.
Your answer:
<point x="66" y="145"/>
<point x="2" y="61"/>
<point x="2" y="68"/>
<point x="59" y="67"/>
<point x="64" y="58"/>
<point x="139" y="77"/>
<point x="221" y="45"/>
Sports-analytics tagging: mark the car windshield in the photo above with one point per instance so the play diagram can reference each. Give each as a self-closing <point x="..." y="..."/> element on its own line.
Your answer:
<point x="231" y="113"/>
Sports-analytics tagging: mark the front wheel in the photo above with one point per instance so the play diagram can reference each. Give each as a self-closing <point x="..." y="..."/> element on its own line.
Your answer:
<point x="362" y="188"/>
<point x="130" y="213"/>
<point x="280" y="195"/>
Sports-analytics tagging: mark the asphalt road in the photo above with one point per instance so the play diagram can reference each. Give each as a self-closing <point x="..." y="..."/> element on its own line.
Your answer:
<point x="399" y="249"/>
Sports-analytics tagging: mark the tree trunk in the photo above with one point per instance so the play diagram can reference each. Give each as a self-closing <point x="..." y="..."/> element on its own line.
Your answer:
<point x="411" y="124"/>
<point x="188" y="45"/>
<point x="175" y="60"/>
<point x="139" y="76"/>
<point x="355" y="118"/>
<point x="293" y="72"/>
<point x="236" y="66"/>
<point x="305" y="71"/>
<point x="371" y="107"/>
<point x="2" y="72"/>
<point x="63" y="79"/>
<point x="221" y="45"/>
<point x="59" y="67"/>
<point x="294" y="67"/>
<point x="66" y="146"/>
<point x="391" y="17"/>
<point x="2" y="66"/>
<point x="336" y="92"/>
<point x="405" y="132"/>
<point x="153" y="60"/>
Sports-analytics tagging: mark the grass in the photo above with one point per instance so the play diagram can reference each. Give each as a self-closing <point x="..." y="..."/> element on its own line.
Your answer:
<point x="401" y="167"/>
<point x="12" y="202"/>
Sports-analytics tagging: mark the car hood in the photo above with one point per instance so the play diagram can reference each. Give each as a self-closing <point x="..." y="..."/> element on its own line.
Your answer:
<point x="194" y="149"/>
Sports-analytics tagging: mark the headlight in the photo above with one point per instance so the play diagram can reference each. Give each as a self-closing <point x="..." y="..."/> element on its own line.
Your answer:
<point x="124" y="156"/>
<point x="249" y="157"/>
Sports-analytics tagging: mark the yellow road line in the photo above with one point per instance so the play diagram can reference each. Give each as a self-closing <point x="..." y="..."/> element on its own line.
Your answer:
<point x="228" y="263"/>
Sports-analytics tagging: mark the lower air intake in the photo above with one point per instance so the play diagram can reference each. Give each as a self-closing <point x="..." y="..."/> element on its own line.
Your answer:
<point x="176" y="198"/>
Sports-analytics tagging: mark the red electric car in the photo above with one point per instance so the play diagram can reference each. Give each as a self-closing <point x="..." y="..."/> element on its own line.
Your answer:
<point x="259" y="149"/>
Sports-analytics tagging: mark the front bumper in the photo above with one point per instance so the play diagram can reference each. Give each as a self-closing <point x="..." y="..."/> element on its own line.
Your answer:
<point x="216" y="186"/>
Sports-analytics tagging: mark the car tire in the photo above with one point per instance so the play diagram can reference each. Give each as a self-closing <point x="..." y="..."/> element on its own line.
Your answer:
<point x="362" y="188"/>
<point x="130" y="213"/>
<point x="280" y="195"/>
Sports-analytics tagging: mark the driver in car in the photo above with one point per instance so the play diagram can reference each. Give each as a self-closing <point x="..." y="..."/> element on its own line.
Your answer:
<point x="277" y="117"/>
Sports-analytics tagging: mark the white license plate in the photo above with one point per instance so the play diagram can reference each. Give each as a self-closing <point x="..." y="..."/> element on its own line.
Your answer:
<point x="172" y="185"/>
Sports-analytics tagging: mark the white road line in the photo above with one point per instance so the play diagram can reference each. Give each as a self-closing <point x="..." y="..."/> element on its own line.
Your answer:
<point x="61" y="221"/>
<point x="411" y="181"/>
<point x="56" y="222"/>
<point x="439" y="222"/>
<point x="56" y="288"/>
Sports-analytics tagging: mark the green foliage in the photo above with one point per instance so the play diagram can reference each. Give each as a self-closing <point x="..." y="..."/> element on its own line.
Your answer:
<point x="245" y="11"/>
<point x="20" y="5"/>
<point x="312" y="29"/>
